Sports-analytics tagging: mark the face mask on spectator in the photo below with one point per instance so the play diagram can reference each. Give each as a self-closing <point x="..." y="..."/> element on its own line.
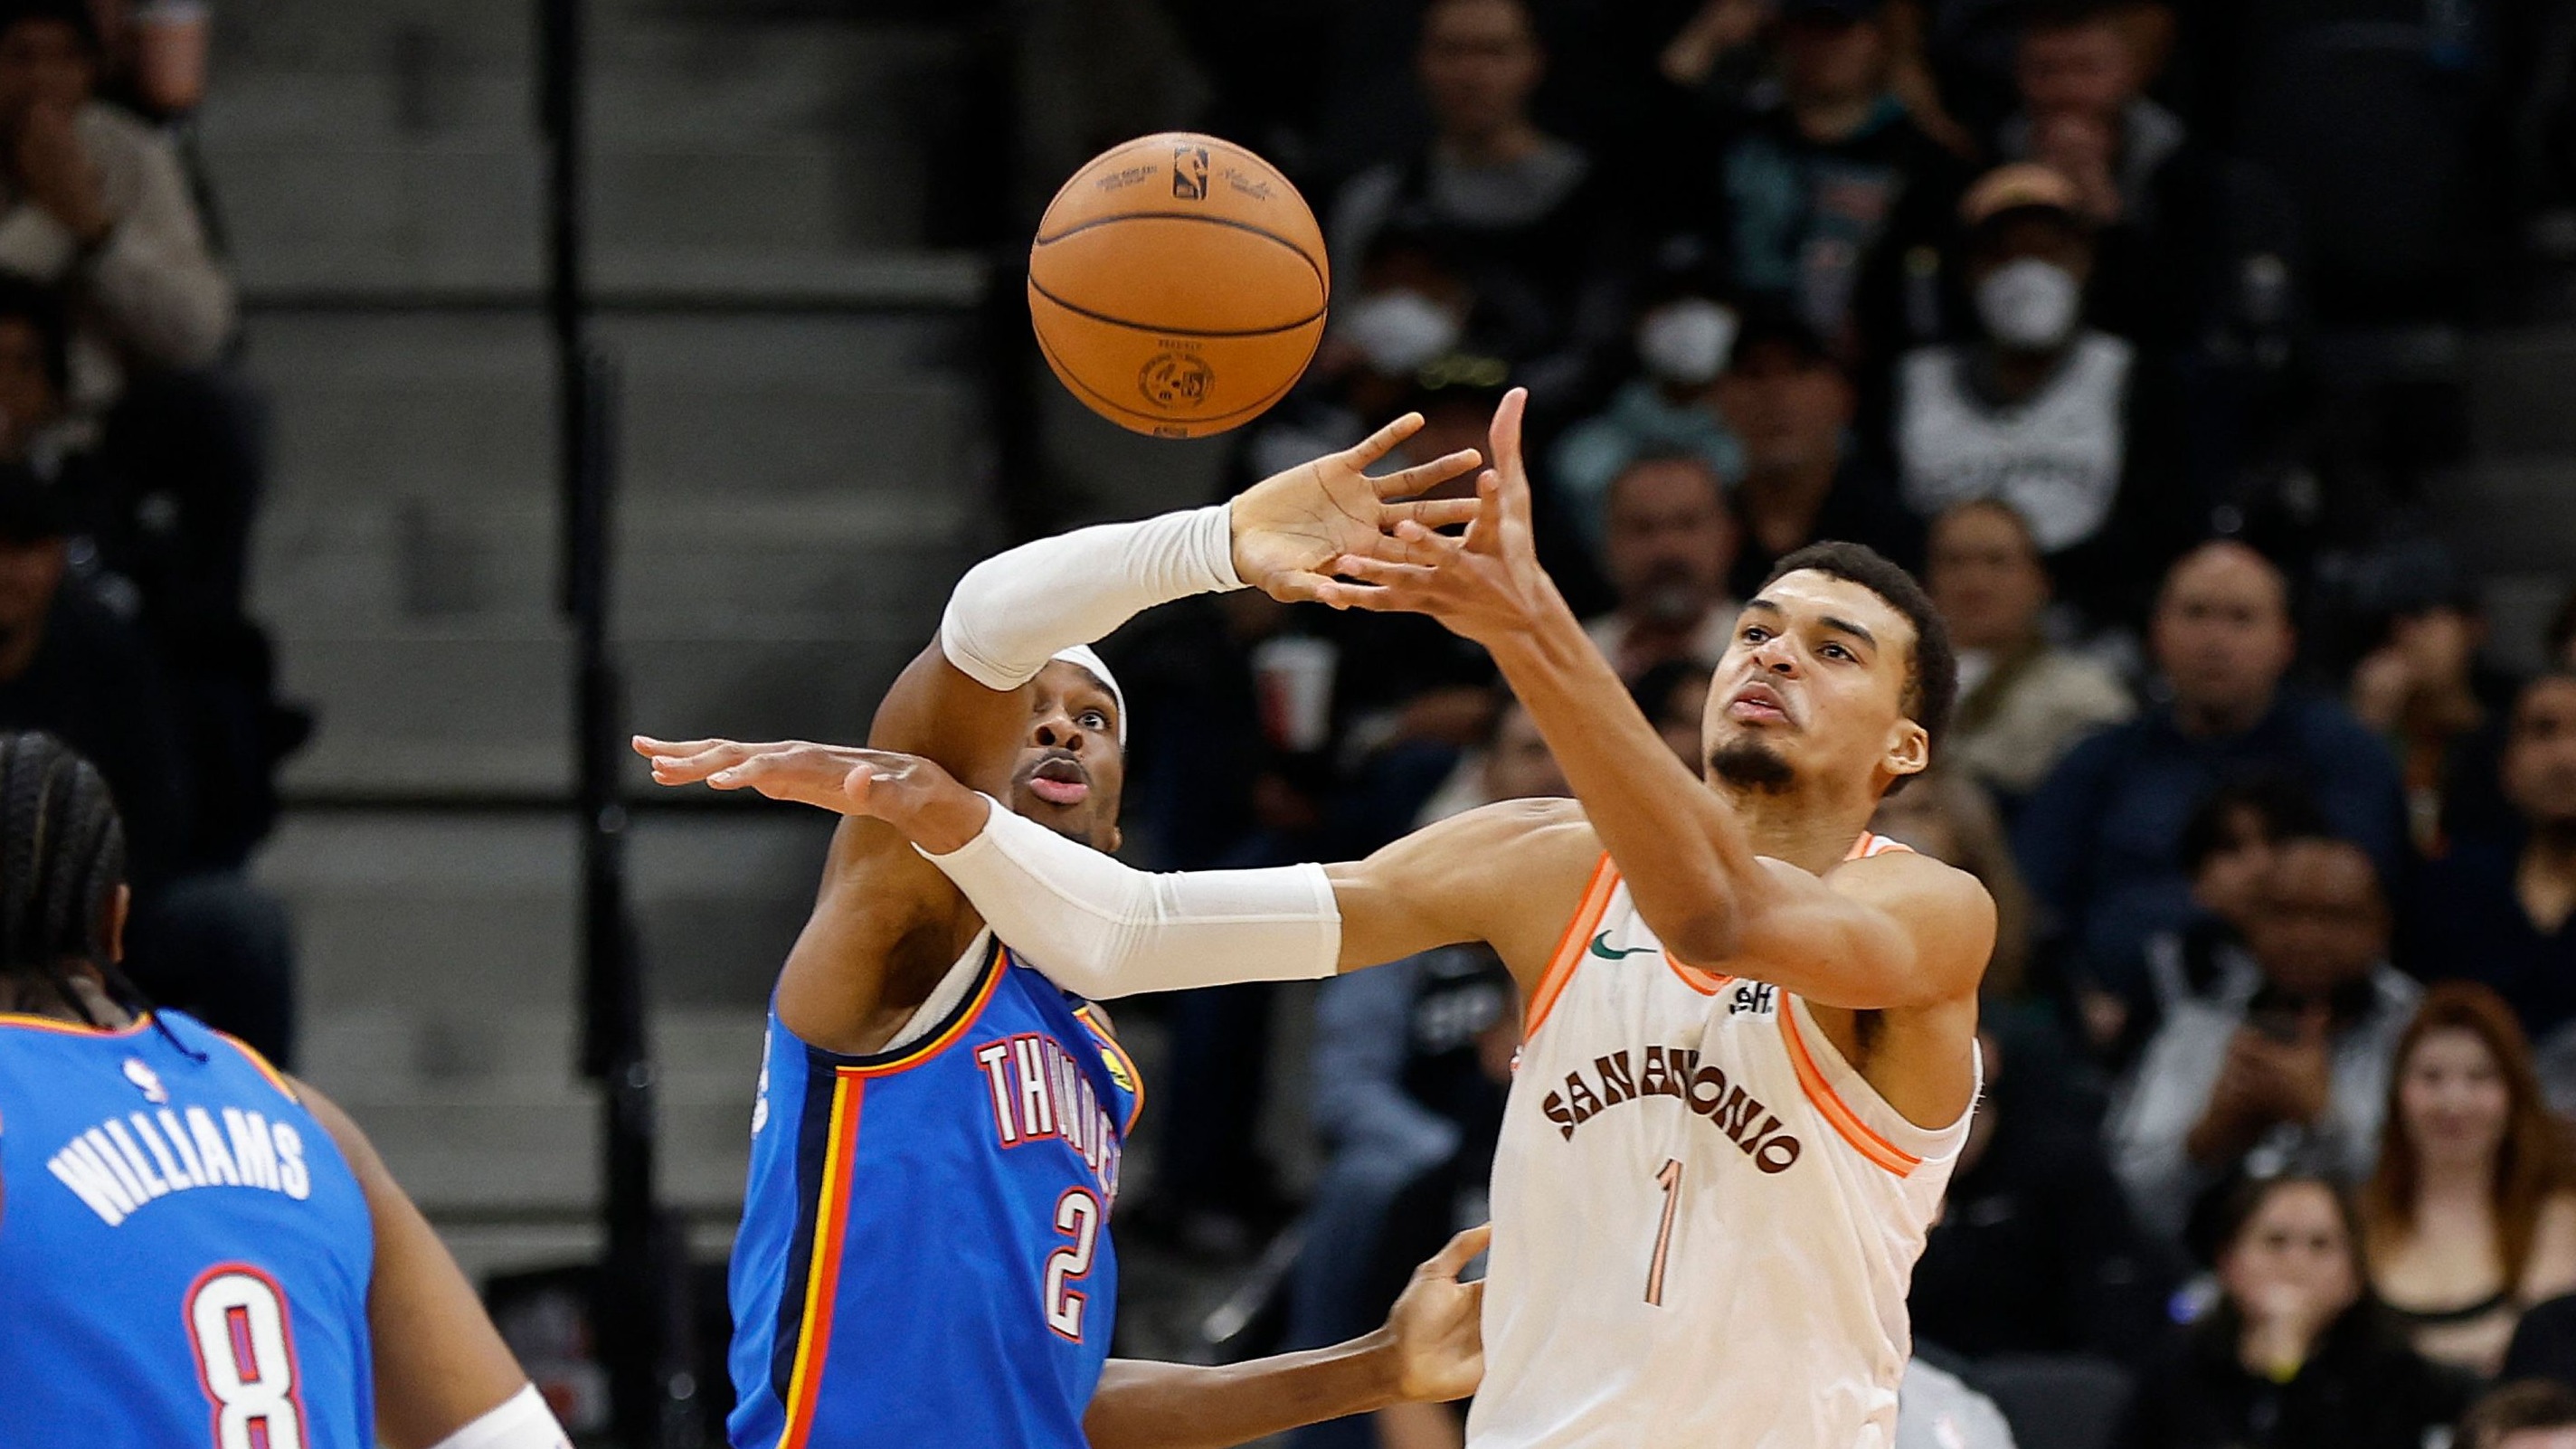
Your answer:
<point x="1398" y="331"/>
<point x="1686" y="343"/>
<point x="2029" y="304"/>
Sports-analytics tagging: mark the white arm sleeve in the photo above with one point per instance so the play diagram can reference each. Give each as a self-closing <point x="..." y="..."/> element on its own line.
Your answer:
<point x="1104" y="929"/>
<point x="522" y="1422"/>
<point x="1013" y="611"/>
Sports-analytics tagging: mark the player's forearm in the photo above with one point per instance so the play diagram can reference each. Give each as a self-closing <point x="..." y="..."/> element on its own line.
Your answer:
<point x="1687" y="860"/>
<point x="1143" y="1405"/>
<point x="1011" y="613"/>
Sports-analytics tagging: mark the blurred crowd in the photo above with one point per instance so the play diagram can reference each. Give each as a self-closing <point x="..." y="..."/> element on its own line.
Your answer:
<point x="131" y="458"/>
<point x="2132" y="327"/>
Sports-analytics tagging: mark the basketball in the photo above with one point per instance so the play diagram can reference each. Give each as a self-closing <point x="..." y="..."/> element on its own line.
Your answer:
<point x="1178" y="285"/>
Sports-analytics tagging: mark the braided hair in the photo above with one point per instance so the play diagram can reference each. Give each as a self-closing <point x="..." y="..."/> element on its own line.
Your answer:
<point x="62" y="858"/>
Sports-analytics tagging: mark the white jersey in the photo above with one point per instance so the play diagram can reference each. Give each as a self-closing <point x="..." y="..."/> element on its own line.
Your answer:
<point x="1704" y="1220"/>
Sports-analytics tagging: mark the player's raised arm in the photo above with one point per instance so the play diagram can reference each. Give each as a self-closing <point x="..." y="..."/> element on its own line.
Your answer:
<point x="1429" y="1351"/>
<point x="958" y="702"/>
<point x="1885" y="933"/>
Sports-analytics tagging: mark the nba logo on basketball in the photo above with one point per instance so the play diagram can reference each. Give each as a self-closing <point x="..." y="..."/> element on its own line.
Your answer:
<point x="1189" y="173"/>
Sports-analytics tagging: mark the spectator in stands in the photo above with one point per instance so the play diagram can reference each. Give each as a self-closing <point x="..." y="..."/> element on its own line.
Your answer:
<point x="2521" y="1414"/>
<point x="2425" y="692"/>
<point x="2023" y="702"/>
<point x="1791" y="405"/>
<point x="2562" y="635"/>
<point x="1948" y="816"/>
<point x="2228" y="848"/>
<point x="1683" y="337"/>
<point x="1833" y="182"/>
<point x="1521" y="212"/>
<point x="2037" y="409"/>
<point x="2036" y="1250"/>
<point x="201" y="938"/>
<point x="2286" y="1070"/>
<point x="2470" y="1216"/>
<point x="1412" y="1063"/>
<point x="1673" y="696"/>
<point x="1668" y="542"/>
<point x="2295" y="1355"/>
<point x="2188" y="242"/>
<point x="2496" y="910"/>
<point x="2097" y="839"/>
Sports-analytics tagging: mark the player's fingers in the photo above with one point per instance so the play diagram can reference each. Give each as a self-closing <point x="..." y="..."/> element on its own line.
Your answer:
<point x="1385" y="573"/>
<point x="1382" y="442"/>
<point x="1508" y="462"/>
<point x="1431" y="512"/>
<point x="1359" y="596"/>
<point x="1463" y="1249"/>
<point x="1297" y="587"/>
<point x="1422" y="477"/>
<point x="1485" y="534"/>
<point x="651" y="748"/>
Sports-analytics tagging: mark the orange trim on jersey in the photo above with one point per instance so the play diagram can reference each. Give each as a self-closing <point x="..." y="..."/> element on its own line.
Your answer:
<point x="1706" y="983"/>
<point x="1569" y="947"/>
<point x="823" y="1273"/>
<point x="1811" y="1080"/>
<point x="993" y="969"/>
<point x="1135" y="1078"/>
<point x="275" y="1077"/>
<point x="73" y="1028"/>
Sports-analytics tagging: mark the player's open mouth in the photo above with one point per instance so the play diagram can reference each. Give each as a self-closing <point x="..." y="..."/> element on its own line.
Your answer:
<point x="1060" y="781"/>
<point x="1758" y="702"/>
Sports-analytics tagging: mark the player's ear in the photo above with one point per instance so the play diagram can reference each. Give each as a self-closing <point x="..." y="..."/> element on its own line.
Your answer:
<point x="119" y="906"/>
<point x="1909" y="749"/>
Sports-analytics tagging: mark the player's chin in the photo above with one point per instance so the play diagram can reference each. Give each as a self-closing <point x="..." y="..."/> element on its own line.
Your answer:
<point x="1081" y="821"/>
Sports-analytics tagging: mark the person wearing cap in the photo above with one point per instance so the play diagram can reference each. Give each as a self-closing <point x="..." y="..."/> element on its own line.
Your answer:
<point x="2034" y="408"/>
<point x="1805" y="478"/>
<point x="1831" y="181"/>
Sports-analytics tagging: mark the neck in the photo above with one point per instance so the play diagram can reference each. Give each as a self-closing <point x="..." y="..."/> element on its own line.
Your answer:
<point x="1500" y="145"/>
<point x="1799" y="825"/>
<point x="86" y="1001"/>
<point x="2018" y="375"/>
<point x="2454" y="1188"/>
<point x="2204" y="719"/>
<point x="1832" y="118"/>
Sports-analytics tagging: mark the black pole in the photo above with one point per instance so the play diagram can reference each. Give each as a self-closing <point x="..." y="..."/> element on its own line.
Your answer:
<point x="640" y="1301"/>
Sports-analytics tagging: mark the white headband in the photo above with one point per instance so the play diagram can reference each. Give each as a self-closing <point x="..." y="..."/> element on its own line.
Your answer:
<point x="1081" y="657"/>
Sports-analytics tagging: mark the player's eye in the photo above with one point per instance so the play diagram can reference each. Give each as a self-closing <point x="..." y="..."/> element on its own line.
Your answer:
<point x="1092" y="719"/>
<point x="1836" y="651"/>
<point x="1754" y="634"/>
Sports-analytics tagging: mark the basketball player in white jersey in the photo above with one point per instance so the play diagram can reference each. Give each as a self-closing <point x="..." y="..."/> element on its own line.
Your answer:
<point x="1751" y="1025"/>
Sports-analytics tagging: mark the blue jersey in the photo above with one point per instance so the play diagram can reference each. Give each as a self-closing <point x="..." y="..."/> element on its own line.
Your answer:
<point x="924" y="1254"/>
<point x="184" y="1255"/>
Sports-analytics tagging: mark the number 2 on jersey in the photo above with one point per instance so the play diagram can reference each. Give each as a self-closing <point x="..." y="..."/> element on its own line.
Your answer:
<point x="1076" y="1213"/>
<point x="245" y="1358"/>
<point x="1669" y="1178"/>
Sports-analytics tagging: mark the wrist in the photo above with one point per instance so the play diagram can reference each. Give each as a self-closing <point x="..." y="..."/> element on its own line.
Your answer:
<point x="947" y="822"/>
<point x="1380" y="1358"/>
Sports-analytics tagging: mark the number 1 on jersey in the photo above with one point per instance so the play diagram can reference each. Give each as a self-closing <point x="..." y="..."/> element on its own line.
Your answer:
<point x="1670" y="1180"/>
<point x="246" y="1358"/>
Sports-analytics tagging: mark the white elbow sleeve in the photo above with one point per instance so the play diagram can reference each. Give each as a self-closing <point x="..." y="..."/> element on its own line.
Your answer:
<point x="1103" y="929"/>
<point x="1013" y="611"/>
<point x="522" y="1422"/>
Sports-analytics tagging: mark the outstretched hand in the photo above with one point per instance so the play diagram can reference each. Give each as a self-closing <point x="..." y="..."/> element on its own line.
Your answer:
<point x="1437" y="1326"/>
<point x="906" y="791"/>
<point x="1290" y="525"/>
<point x="1485" y="586"/>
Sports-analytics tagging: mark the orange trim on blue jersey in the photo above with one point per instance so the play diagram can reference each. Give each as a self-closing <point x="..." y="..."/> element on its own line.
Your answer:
<point x="73" y="1028"/>
<point x="823" y="1274"/>
<point x="994" y="966"/>
<point x="1845" y="1122"/>
<point x="275" y="1077"/>
<point x="1569" y="947"/>
<point x="1135" y="1079"/>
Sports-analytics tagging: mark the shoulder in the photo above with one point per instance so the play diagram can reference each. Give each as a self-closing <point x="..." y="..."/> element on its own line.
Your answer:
<point x="1932" y="896"/>
<point x="114" y="131"/>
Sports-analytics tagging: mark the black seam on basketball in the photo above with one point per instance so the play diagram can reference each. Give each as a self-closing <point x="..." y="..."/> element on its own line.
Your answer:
<point x="1309" y="320"/>
<point x="1225" y="221"/>
<point x="1073" y="383"/>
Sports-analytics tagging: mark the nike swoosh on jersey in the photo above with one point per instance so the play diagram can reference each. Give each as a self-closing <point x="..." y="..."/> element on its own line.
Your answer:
<point x="1601" y="948"/>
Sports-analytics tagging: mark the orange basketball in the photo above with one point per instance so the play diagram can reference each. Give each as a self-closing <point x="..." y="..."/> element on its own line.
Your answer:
<point x="1178" y="285"/>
